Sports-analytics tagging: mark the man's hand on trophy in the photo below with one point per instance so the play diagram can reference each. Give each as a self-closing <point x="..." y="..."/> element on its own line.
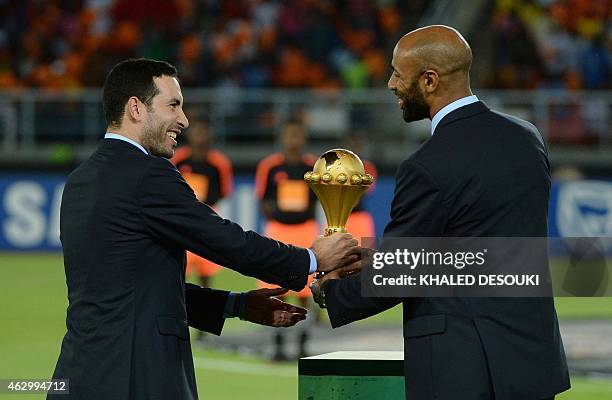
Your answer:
<point x="335" y="251"/>
<point x="318" y="284"/>
<point x="364" y="257"/>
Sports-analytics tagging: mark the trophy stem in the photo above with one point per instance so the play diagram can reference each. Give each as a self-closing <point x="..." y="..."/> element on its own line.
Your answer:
<point x="331" y="230"/>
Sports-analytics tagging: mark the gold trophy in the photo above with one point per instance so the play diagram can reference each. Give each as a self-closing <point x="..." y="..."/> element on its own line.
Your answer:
<point x="339" y="180"/>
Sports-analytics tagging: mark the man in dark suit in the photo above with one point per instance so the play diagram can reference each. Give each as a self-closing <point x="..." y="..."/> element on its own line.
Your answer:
<point x="481" y="174"/>
<point x="127" y="217"/>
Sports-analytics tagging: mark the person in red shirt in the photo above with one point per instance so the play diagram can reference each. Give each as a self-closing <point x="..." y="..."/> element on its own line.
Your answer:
<point x="288" y="206"/>
<point x="209" y="174"/>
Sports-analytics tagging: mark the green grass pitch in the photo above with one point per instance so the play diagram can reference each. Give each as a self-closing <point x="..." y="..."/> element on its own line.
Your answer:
<point x="32" y="311"/>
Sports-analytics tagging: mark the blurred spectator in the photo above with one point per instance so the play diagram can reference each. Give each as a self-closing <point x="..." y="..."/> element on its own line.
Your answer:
<point x="209" y="173"/>
<point x="289" y="209"/>
<point x="516" y="59"/>
<point x="595" y="67"/>
<point x="553" y="44"/>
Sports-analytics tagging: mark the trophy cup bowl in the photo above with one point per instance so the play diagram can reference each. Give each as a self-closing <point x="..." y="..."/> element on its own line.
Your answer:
<point x="339" y="180"/>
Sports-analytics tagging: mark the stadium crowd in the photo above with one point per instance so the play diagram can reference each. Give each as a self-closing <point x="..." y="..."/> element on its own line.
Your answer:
<point x="302" y="43"/>
<point x="552" y="44"/>
<point x="249" y="43"/>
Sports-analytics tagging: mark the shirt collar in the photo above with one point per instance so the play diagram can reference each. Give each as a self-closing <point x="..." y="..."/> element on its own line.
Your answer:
<point x="110" y="135"/>
<point x="464" y="101"/>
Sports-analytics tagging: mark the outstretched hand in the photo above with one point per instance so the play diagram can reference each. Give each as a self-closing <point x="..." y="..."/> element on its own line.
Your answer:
<point x="261" y="307"/>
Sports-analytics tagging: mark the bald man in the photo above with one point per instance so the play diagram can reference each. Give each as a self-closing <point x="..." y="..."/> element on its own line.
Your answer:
<point x="481" y="174"/>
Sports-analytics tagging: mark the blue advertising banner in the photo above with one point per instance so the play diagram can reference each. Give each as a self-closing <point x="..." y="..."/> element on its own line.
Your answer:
<point x="29" y="209"/>
<point x="581" y="209"/>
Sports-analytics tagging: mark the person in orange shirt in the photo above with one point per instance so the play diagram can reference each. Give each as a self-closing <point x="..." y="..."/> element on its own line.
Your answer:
<point x="288" y="206"/>
<point x="209" y="174"/>
<point x="360" y="223"/>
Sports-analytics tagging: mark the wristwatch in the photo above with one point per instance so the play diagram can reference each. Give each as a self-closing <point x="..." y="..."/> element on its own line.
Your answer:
<point x="318" y="294"/>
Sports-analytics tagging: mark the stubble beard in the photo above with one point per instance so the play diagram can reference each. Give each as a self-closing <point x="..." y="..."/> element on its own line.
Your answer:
<point x="154" y="138"/>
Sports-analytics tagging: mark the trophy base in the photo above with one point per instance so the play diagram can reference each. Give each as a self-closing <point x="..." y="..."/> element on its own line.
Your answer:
<point x="352" y="375"/>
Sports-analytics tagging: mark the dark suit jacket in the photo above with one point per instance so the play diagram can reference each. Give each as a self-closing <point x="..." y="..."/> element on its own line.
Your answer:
<point x="126" y="220"/>
<point x="484" y="174"/>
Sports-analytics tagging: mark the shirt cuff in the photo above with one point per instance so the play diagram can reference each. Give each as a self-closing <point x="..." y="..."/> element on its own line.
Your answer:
<point x="229" y="305"/>
<point x="313" y="262"/>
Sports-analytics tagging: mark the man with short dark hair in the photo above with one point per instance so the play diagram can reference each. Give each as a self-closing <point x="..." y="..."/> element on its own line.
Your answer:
<point x="127" y="217"/>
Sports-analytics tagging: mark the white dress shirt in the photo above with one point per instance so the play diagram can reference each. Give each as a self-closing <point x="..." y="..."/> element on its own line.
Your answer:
<point x="464" y="101"/>
<point x="110" y="135"/>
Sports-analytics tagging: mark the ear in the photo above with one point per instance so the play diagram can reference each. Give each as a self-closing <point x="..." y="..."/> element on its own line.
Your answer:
<point x="430" y="80"/>
<point x="134" y="109"/>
